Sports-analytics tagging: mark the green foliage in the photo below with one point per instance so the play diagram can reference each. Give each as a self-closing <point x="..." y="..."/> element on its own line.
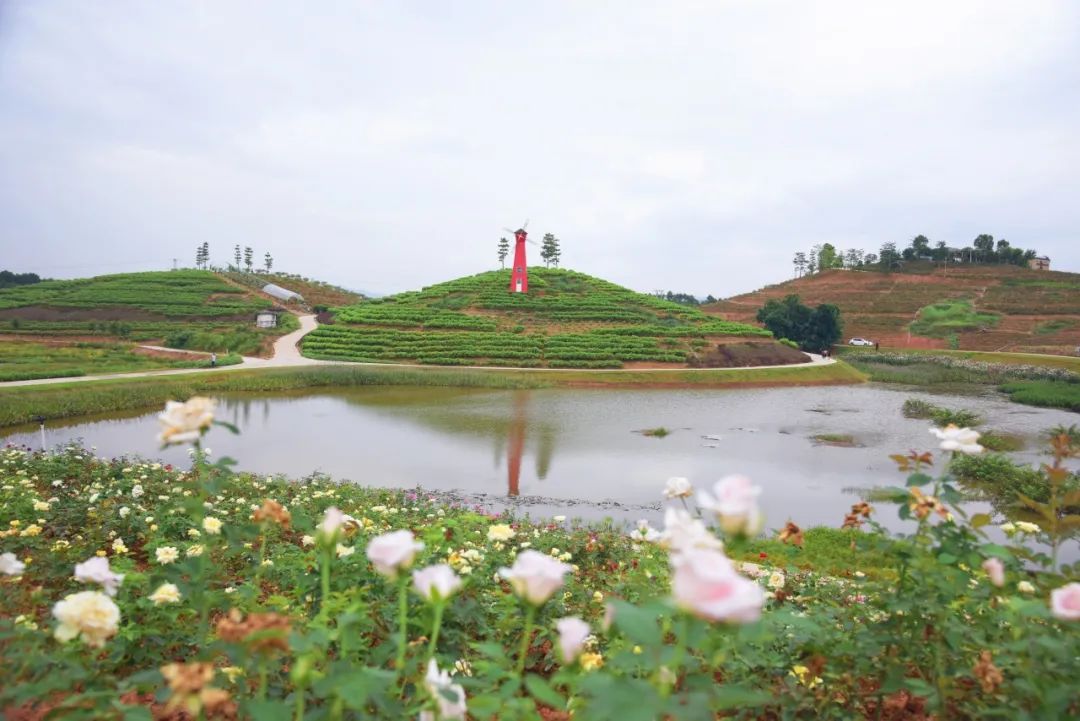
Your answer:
<point x="10" y="280"/>
<point x="917" y="408"/>
<point x="813" y="329"/>
<point x="29" y="361"/>
<point x="944" y="319"/>
<point x="1046" y="394"/>
<point x="1003" y="481"/>
<point x="1001" y="442"/>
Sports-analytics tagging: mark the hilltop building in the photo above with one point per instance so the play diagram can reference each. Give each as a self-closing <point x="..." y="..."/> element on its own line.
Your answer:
<point x="1039" y="262"/>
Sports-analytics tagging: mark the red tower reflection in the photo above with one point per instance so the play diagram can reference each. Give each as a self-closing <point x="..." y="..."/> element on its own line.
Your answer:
<point x="516" y="450"/>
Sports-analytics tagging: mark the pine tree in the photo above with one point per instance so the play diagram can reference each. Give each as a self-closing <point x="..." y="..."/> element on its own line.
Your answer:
<point x="504" y="249"/>
<point x="203" y="255"/>
<point x="236" y="254"/>
<point x="547" y="248"/>
<point x="556" y="255"/>
<point x="198" y="256"/>
<point x="269" y="261"/>
<point x="249" y="256"/>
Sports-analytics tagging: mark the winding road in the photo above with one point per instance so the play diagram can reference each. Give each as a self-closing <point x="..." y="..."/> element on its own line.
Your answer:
<point x="287" y="355"/>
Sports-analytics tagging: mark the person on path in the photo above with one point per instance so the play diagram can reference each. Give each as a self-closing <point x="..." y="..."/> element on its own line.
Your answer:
<point x="877" y="346"/>
<point x="213" y="360"/>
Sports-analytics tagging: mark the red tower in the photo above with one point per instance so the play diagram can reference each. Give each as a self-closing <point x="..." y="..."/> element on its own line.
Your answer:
<point x="519" y="277"/>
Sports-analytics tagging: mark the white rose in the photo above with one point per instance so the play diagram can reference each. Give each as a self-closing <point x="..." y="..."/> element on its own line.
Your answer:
<point x="96" y="570"/>
<point x="1065" y="602"/>
<point x="185" y="422"/>
<point x="1025" y="587"/>
<point x="572" y="634"/>
<point x="500" y="532"/>
<point x="165" y="593"/>
<point x="678" y="488"/>
<point x="438" y="684"/>
<point x="962" y="440"/>
<point x="706" y="584"/>
<point x="91" y="614"/>
<point x="1028" y="527"/>
<point x="124" y="511"/>
<point x="393" y="552"/>
<point x="166" y="555"/>
<point x="10" y="565"/>
<point x="137" y="491"/>
<point x="734" y="502"/>
<point x="212" y="525"/>
<point x="344" y="551"/>
<point x="682" y="531"/>
<point x="436" y="583"/>
<point x="535" y="576"/>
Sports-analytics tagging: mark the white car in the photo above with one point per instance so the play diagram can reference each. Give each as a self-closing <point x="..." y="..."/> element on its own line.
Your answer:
<point x="860" y="341"/>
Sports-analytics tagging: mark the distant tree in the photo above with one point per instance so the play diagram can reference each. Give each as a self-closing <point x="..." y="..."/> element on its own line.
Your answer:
<point x="548" y="249"/>
<point x="888" y="258"/>
<point x="813" y="329"/>
<point x="853" y="258"/>
<point x="870" y="259"/>
<point x="236" y="254"/>
<point x="984" y="247"/>
<point x="249" y="258"/>
<point x="827" y="257"/>
<point x="10" y="280"/>
<point x="681" y="298"/>
<point x="940" y="253"/>
<point x="710" y="299"/>
<point x="920" y="246"/>
<point x="268" y="260"/>
<point x="800" y="263"/>
<point x="504" y="250"/>
<point x="556" y="256"/>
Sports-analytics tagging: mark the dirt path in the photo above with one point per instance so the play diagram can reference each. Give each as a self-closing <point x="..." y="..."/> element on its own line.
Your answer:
<point x="287" y="355"/>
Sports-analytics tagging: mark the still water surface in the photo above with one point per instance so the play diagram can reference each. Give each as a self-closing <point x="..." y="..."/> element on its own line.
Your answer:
<point x="567" y="451"/>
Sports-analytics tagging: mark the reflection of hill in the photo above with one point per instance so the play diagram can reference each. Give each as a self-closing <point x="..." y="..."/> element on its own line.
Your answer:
<point x="508" y="424"/>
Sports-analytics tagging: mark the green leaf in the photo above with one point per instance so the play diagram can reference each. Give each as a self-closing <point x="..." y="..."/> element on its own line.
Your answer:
<point x="980" y="519"/>
<point x="918" y="479"/>
<point x="540" y="690"/>
<point x="639" y="624"/>
<point x="727" y="696"/>
<point x="268" y="710"/>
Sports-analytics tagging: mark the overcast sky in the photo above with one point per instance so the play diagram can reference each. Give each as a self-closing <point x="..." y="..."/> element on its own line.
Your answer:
<point x="691" y="146"/>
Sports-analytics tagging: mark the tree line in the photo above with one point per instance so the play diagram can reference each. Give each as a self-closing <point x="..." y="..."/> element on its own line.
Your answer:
<point x="983" y="249"/>
<point x="9" y="279"/>
<point x="244" y="261"/>
<point x="550" y="250"/>
<point x="682" y="298"/>
<point x="813" y="329"/>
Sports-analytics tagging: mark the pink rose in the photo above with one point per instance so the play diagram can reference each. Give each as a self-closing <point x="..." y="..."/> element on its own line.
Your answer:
<point x="535" y="576"/>
<point x="572" y="634"/>
<point x="436" y="583"/>
<point x="995" y="569"/>
<point x="96" y="570"/>
<point x="392" y="552"/>
<point x="331" y="522"/>
<point x="707" y="584"/>
<point x="734" y="502"/>
<point x="1065" y="602"/>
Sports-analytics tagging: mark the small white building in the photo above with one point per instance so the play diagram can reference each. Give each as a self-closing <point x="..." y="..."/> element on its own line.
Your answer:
<point x="267" y="318"/>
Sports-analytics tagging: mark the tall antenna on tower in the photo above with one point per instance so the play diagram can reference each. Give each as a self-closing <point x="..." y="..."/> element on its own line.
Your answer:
<point x="174" y="263"/>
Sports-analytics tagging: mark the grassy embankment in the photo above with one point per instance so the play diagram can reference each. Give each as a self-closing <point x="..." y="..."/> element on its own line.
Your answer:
<point x="19" y="405"/>
<point x="1037" y="380"/>
<point x="188" y="309"/>
<point x="566" y="320"/>
<point x="28" y="360"/>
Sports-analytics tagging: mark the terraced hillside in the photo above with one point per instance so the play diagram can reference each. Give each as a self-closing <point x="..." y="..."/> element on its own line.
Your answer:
<point x="566" y="320"/>
<point x="968" y="307"/>
<point x="190" y="309"/>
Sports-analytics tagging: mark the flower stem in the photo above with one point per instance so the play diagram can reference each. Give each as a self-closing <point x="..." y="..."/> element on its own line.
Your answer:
<point x="439" y="606"/>
<point x="299" y="704"/>
<point x="530" y="615"/>
<point x="403" y="610"/>
<point x="324" y="577"/>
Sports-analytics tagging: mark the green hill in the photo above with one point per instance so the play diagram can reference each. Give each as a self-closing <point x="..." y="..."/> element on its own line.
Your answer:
<point x="566" y="320"/>
<point x="191" y="309"/>
<point x="970" y="307"/>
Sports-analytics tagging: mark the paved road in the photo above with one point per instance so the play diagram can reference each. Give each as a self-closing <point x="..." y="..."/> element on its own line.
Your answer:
<point x="287" y="355"/>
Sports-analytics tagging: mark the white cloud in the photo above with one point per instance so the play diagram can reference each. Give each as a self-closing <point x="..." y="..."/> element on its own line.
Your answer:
<point x="690" y="145"/>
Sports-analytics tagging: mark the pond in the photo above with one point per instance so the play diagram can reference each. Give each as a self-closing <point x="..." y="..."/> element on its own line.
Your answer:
<point x="577" y="452"/>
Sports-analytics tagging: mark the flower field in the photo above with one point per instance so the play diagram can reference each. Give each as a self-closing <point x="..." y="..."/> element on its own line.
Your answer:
<point x="133" y="590"/>
<point x="567" y="320"/>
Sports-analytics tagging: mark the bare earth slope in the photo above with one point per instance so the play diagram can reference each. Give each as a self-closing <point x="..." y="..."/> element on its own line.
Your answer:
<point x="1003" y="307"/>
